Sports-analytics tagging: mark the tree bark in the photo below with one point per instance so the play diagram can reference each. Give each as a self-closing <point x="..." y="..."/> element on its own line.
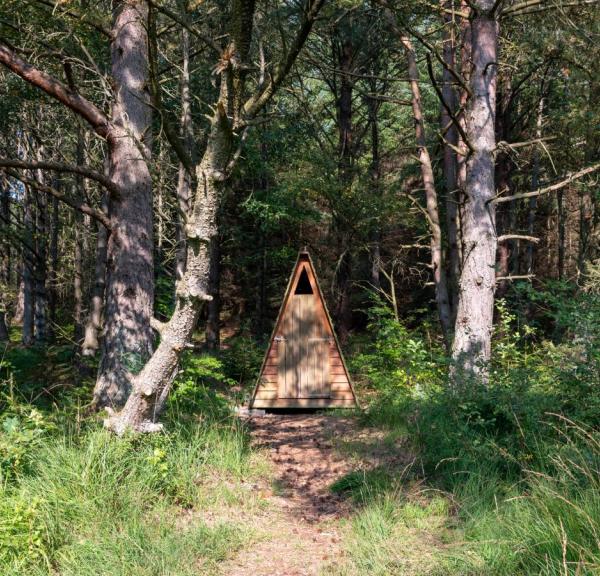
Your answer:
<point x="94" y="323"/>
<point x="127" y="341"/>
<point x="450" y="164"/>
<point x="5" y="254"/>
<point x="213" y="321"/>
<point x="153" y="383"/>
<point x="474" y="323"/>
<point x="27" y="271"/>
<point x="437" y="253"/>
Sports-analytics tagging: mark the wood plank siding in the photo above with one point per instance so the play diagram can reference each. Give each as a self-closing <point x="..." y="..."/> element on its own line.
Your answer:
<point x="303" y="366"/>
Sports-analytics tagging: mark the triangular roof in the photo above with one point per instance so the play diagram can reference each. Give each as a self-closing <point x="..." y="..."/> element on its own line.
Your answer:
<point x="303" y="262"/>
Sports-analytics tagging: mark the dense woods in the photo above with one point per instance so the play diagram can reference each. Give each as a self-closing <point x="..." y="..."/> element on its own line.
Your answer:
<point x="162" y="162"/>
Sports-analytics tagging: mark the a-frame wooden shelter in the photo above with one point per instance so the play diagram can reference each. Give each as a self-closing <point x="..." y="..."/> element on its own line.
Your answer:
<point x="303" y="366"/>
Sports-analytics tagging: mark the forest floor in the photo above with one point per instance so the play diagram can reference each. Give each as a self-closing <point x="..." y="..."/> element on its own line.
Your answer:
<point x="300" y="531"/>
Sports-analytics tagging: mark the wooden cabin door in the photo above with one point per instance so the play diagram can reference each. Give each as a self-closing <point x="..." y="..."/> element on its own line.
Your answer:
<point x="303" y="351"/>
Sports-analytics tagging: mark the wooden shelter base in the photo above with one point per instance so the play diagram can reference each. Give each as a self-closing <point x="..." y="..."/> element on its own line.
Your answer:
<point x="303" y="366"/>
<point x="304" y="403"/>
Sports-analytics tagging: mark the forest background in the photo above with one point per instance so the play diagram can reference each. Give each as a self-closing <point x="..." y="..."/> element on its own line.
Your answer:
<point x="161" y="164"/>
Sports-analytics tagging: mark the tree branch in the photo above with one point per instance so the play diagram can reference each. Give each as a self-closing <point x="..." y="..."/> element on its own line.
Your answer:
<point x="551" y="188"/>
<point x="83" y="207"/>
<point x="85" y="18"/>
<point x="40" y="79"/>
<point x="533" y="6"/>
<point x="181" y="21"/>
<point x="60" y="167"/>
<point x="266" y="91"/>
<point x="506" y="237"/>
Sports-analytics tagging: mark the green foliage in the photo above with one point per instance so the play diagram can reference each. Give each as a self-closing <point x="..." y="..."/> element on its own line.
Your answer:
<point x="523" y="475"/>
<point x="90" y="503"/>
<point x="547" y="525"/>
<point x="194" y="390"/>
<point x="396" y="360"/>
<point x="242" y="358"/>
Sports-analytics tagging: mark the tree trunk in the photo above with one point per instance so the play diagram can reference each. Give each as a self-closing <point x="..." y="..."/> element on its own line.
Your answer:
<point x="184" y="183"/>
<point x="213" y="321"/>
<point x="5" y="254"/>
<point x="535" y="184"/>
<point x="342" y="311"/>
<point x="474" y="323"/>
<point x="587" y="198"/>
<point x="152" y="385"/>
<point x="127" y="341"/>
<point x="78" y="279"/>
<point x="450" y="166"/>
<point x="461" y="159"/>
<point x="375" y="174"/>
<point x="94" y="323"/>
<point x="53" y="272"/>
<point x="561" y="223"/>
<point x="28" y="270"/>
<point x="19" y="312"/>
<point x="41" y="264"/>
<point x="437" y="253"/>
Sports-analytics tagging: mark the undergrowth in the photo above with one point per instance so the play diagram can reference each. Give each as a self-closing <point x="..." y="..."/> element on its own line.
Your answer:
<point x="517" y="460"/>
<point x="75" y="500"/>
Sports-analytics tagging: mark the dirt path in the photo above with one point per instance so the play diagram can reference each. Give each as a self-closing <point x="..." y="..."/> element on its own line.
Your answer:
<point x="301" y="528"/>
<point x="301" y="533"/>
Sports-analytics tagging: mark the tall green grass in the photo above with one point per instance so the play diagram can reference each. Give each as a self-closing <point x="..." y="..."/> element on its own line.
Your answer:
<point x="93" y="504"/>
<point x="548" y="523"/>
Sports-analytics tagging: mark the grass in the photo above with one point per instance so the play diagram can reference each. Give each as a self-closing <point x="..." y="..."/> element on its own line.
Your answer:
<point x="498" y="487"/>
<point x="76" y="501"/>
<point x="476" y="521"/>
<point x="98" y="505"/>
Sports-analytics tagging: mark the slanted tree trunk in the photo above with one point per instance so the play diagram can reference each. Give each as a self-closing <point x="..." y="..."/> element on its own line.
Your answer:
<point x="153" y="383"/>
<point x="127" y="341"/>
<point x="474" y="322"/>
<point x="94" y="322"/>
<point x="437" y="252"/>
